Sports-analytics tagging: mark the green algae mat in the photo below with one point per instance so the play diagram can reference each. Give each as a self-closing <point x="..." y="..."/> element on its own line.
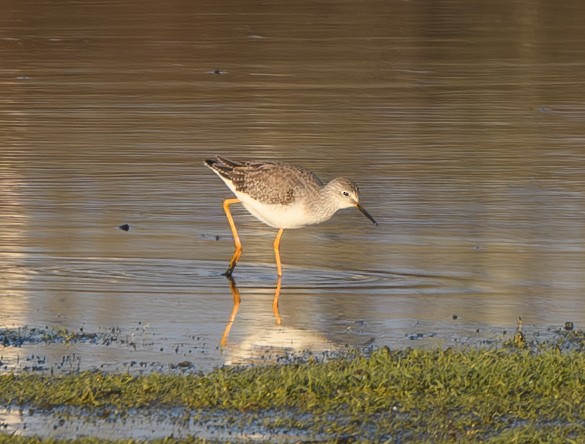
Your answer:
<point x="502" y="395"/>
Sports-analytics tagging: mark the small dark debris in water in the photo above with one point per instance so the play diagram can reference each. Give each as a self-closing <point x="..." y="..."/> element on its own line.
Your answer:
<point x="211" y="236"/>
<point x="217" y="71"/>
<point x="568" y="326"/>
<point x="477" y="330"/>
<point x="124" y="227"/>
<point x="454" y="317"/>
<point x="543" y="109"/>
<point x="184" y="364"/>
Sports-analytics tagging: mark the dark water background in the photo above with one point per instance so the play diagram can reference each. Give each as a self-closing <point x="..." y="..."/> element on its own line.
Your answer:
<point x="463" y="123"/>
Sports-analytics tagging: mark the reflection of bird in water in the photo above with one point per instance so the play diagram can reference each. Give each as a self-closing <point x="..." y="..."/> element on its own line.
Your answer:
<point x="282" y="196"/>
<point x="273" y="342"/>
<point x="237" y="299"/>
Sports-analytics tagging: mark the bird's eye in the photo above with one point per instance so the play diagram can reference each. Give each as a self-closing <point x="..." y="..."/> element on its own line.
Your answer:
<point x="345" y="193"/>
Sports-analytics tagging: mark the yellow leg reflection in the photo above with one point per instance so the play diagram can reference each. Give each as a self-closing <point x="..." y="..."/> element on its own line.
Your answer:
<point x="275" y="301"/>
<point x="237" y="299"/>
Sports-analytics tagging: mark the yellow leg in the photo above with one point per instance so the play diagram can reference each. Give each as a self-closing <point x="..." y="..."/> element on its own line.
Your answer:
<point x="277" y="251"/>
<point x="238" y="244"/>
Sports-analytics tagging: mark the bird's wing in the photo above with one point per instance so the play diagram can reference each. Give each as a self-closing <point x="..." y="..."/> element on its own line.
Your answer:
<point x="272" y="182"/>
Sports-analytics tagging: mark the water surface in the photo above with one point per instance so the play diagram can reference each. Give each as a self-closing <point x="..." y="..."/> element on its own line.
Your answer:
<point x="464" y="127"/>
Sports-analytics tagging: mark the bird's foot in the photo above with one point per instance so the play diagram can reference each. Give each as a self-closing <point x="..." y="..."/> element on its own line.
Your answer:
<point x="228" y="273"/>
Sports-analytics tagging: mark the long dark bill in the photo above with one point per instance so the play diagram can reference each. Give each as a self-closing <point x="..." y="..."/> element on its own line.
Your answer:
<point x="365" y="213"/>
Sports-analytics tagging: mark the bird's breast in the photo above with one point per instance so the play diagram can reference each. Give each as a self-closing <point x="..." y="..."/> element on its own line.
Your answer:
<point x="293" y="215"/>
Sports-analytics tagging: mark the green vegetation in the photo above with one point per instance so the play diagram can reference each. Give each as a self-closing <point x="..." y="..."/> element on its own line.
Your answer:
<point x="22" y="440"/>
<point x="509" y="394"/>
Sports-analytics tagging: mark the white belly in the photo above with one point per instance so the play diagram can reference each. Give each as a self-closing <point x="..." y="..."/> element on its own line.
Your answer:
<point x="278" y="216"/>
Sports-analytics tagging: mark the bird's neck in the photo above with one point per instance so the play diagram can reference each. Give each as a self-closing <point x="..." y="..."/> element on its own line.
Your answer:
<point x="324" y="206"/>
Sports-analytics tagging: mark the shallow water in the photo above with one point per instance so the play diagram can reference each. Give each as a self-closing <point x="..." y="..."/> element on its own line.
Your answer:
<point x="464" y="128"/>
<point x="158" y="424"/>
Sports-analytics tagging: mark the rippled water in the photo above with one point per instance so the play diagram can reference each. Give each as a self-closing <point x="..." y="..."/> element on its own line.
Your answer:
<point x="463" y="126"/>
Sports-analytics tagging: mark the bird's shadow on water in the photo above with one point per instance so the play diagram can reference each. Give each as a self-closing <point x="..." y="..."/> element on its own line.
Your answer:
<point x="273" y="343"/>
